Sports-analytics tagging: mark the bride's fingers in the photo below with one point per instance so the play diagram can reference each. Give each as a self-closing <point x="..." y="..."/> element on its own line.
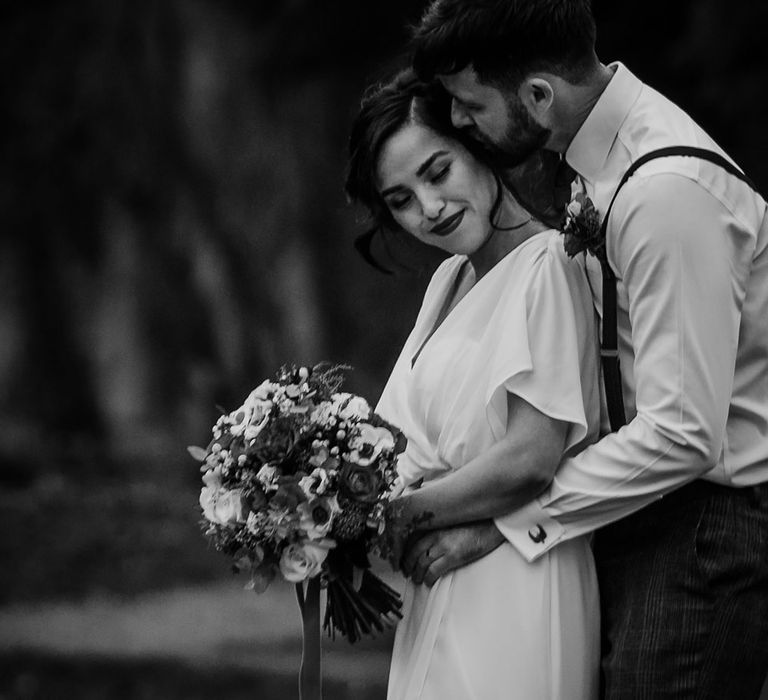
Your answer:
<point x="396" y="548"/>
<point x="395" y="555"/>
<point x="397" y="488"/>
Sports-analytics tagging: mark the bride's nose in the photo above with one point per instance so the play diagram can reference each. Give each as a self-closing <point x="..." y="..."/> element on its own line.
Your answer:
<point x="432" y="205"/>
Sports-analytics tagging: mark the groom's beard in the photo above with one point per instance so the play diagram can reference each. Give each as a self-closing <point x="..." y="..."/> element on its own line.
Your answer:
<point x="523" y="137"/>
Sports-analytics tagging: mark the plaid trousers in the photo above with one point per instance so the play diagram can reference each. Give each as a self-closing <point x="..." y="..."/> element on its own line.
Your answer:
<point x="684" y="591"/>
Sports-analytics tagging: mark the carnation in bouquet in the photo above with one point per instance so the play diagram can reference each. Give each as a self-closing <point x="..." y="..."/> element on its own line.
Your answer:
<point x="295" y="483"/>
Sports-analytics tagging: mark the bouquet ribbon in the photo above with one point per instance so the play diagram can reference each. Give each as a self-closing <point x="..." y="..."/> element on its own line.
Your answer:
<point x="310" y="684"/>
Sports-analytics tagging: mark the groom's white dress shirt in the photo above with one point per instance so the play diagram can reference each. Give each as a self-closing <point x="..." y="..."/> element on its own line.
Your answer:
<point x="689" y="245"/>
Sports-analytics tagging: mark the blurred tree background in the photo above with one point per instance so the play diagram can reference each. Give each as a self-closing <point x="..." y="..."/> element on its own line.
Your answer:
<point x="174" y="222"/>
<point x="174" y="229"/>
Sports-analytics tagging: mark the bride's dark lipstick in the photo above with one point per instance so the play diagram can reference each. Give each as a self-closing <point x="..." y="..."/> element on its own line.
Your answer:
<point x="448" y="225"/>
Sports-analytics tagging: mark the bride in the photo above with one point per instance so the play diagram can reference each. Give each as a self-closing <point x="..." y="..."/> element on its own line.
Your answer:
<point x="496" y="382"/>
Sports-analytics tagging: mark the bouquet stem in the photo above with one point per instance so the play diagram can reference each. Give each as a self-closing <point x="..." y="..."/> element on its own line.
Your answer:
<point x="310" y="683"/>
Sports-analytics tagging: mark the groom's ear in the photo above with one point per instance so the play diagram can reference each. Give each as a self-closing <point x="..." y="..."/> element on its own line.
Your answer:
<point x="537" y="94"/>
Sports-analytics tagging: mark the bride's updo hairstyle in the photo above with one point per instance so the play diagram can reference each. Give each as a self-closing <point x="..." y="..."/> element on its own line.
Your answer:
<point x="384" y="111"/>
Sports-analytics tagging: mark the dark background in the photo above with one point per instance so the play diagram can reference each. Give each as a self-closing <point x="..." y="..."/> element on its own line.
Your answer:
<point x="173" y="230"/>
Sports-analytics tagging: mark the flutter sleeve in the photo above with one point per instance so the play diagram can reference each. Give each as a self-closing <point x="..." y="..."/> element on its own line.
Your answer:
<point x="544" y="349"/>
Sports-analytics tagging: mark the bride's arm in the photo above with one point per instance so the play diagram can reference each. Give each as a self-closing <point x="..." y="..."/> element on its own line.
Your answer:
<point x="506" y="476"/>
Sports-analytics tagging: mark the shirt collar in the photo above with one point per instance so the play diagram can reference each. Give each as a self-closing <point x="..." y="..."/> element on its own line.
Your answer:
<point x="589" y="149"/>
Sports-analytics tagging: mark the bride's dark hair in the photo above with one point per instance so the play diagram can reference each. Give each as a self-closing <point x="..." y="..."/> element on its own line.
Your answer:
<point x="385" y="109"/>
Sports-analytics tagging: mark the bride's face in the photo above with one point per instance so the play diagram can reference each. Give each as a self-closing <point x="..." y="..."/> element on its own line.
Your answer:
<point x="436" y="190"/>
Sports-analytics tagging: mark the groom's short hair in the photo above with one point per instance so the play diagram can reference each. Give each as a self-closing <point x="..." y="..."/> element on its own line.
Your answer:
<point x="505" y="40"/>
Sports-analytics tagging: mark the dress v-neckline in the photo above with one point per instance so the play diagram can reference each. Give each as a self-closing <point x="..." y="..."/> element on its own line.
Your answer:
<point x="446" y="308"/>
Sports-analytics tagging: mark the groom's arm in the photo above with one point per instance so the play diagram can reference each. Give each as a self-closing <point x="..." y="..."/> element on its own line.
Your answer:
<point x="683" y="259"/>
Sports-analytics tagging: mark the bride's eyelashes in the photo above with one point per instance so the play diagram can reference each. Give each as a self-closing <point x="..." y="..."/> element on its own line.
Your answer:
<point x="440" y="175"/>
<point x="399" y="203"/>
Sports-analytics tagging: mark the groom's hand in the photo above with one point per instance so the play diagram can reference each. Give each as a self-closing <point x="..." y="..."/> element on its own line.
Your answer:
<point x="437" y="552"/>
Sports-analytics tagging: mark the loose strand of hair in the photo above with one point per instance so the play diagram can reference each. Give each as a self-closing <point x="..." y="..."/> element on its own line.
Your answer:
<point x="363" y="244"/>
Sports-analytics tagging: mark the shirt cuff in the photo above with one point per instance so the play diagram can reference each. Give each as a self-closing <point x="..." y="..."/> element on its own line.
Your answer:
<point x="530" y="530"/>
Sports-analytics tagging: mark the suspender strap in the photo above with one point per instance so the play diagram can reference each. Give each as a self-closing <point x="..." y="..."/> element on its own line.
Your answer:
<point x="609" y="349"/>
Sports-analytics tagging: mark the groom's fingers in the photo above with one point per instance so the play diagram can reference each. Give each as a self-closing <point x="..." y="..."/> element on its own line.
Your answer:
<point x="416" y="551"/>
<point x="433" y="562"/>
<point x="424" y="568"/>
<point x="451" y="549"/>
<point x="437" y="569"/>
<point x="441" y="551"/>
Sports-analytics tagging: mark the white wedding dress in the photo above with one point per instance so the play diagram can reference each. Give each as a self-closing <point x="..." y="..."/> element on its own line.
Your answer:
<point x="500" y="628"/>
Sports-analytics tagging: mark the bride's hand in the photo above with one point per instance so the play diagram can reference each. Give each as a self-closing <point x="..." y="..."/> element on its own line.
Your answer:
<point x="397" y="488"/>
<point x="395" y="532"/>
<point x="401" y="524"/>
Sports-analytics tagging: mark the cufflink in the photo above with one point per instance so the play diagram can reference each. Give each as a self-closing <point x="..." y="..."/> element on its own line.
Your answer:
<point x="537" y="534"/>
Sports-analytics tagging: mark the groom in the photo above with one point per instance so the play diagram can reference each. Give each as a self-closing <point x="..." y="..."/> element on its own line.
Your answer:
<point x="680" y="493"/>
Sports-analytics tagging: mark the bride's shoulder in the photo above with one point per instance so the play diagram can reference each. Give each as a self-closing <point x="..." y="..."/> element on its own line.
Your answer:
<point x="551" y="252"/>
<point x="543" y="248"/>
<point x="554" y="269"/>
<point x="542" y="263"/>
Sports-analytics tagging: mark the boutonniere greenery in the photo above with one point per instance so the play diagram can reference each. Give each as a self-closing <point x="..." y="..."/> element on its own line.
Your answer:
<point x="581" y="225"/>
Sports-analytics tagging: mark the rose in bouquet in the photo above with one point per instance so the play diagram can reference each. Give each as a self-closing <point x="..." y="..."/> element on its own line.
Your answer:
<point x="295" y="483"/>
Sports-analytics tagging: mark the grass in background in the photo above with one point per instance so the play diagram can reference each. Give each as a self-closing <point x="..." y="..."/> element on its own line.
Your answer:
<point x="32" y="677"/>
<point x="71" y="539"/>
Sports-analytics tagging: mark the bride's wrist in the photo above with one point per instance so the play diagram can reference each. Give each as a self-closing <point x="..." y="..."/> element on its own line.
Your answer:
<point x="408" y="516"/>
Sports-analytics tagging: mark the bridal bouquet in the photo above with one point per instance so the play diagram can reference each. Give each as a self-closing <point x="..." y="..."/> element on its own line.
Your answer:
<point x="295" y="483"/>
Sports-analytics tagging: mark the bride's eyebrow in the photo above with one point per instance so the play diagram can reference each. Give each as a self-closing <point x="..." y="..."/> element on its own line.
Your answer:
<point x="419" y="171"/>
<point x="425" y="165"/>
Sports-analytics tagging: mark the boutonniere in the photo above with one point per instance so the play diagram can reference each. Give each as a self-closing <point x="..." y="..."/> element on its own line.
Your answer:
<point x="581" y="225"/>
